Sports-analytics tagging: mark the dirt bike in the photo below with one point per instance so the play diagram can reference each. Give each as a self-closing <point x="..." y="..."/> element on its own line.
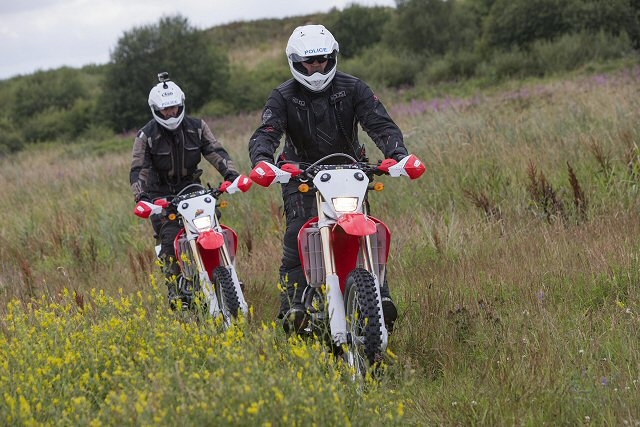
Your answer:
<point x="343" y="251"/>
<point x="205" y="249"/>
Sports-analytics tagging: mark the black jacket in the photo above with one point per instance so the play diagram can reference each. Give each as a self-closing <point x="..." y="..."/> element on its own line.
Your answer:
<point x="164" y="161"/>
<point x="319" y="123"/>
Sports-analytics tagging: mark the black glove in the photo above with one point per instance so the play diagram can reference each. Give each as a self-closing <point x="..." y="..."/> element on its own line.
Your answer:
<point x="264" y="159"/>
<point x="231" y="176"/>
<point x="399" y="156"/>
<point x="143" y="197"/>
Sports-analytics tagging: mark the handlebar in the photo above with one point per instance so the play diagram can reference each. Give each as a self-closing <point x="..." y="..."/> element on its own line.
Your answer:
<point x="265" y="173"/>
<point x="310" y="170"/>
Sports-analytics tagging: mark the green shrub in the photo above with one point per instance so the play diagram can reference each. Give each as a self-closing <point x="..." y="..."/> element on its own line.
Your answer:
<point x="380" y="66"/>
<point x="573" y="50"/>
<point x="10" y="139"/>
<point x="250" y="88"/>
<point x="452" y="66"/>
<point x="57" y="123"/>
<point x="514" y="63"/>
<point x="214" y="108"/>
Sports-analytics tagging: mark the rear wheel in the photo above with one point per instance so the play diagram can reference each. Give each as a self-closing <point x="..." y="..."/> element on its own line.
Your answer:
<point x="226" y="293"/>
<point x="363" y="321"/>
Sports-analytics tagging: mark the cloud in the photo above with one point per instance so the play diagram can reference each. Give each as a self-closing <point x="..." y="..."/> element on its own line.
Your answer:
<point x="45" y="34"/>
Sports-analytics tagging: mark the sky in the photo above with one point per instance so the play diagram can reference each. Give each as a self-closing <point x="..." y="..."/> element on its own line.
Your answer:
<point x="45" y="34"/>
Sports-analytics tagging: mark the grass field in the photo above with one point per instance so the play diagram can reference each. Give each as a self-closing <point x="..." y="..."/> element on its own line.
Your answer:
<point x="514" y="263"/>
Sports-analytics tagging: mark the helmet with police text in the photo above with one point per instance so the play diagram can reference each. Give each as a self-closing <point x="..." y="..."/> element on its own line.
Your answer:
<point x="163" y="96"/>
<point x="310" y="43"/>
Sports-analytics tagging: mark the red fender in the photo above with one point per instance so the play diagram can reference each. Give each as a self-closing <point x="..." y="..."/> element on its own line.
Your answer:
<point x="356" y="224"/>
<point x="211" y="239"/>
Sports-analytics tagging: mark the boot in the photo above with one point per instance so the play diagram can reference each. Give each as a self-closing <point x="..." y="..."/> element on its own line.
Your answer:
<point x="186" y="290"/>
<point x="390" y="313"/>
<point x="173" y="296"/>
<point x="295" y="320"/>
<point x="389" y="310"/>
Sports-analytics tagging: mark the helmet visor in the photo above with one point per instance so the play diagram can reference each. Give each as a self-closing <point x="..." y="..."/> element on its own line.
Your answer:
<point x="311" y="59"/>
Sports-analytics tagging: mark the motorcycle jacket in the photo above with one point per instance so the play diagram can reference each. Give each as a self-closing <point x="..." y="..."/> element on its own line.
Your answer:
<point x="165" y="161"/>
<point x="316" y="124"/>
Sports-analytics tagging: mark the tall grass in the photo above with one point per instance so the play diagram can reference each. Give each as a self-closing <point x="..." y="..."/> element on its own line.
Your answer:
<point x="512" y="310"/>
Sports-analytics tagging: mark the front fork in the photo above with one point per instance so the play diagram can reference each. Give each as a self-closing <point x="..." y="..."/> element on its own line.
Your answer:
<point x="366" y="249"/>
<point x="335" y="297"/>
<point x="205" y="282"/>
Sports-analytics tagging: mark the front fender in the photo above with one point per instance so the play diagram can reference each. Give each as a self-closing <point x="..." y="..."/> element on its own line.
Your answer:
<point x="211" y="239"/>
<point x="357" y="224"/>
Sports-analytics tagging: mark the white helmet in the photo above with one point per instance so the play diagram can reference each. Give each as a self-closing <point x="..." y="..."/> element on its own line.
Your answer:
<point x="312" y="41"/>
<point x="164" y="95"/>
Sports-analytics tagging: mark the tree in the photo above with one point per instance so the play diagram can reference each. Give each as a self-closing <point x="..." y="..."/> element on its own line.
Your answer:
<point x="171" y="45"/>
<point x="432" y="27"/>
<point x="357" y="28"/>
<point x="58" y="89"/>
<point x="518" y="23"/>
<point x="610" y="16"/>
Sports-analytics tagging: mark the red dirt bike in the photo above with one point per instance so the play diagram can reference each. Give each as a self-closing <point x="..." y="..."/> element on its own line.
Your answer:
<point x="343" y="250"/>
<point x="205" y="248"/>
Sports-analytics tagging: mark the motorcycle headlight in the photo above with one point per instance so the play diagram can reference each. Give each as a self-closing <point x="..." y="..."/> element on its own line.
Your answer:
<point x="345" y="204"/>
<point x="203" y="223"/>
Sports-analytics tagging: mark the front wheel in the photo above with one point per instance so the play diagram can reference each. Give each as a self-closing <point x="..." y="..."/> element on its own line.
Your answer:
<point x="226" y="293"/>
<point x="364" y="324"/>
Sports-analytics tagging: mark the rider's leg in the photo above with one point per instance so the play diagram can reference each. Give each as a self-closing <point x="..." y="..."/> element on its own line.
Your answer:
<point x="167" y="231"/>
<point x="298" y="209"/>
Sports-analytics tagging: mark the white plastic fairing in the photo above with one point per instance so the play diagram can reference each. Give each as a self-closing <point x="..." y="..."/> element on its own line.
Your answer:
<point x="198" y="213"/>
<point x="337" y="184"/>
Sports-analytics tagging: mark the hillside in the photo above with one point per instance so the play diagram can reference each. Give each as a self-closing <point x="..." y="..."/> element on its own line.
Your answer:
<point x="249" y="43"/>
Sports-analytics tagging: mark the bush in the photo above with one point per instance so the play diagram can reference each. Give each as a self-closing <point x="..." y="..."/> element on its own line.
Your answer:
<point x="382" y="67"/>
<point x="10" y="138"/>
<point x="573" y="50"/>
<point x="252" y="87"/>
<point x="514" y="63"/>
<point x="58" y="89"/>
<point x="452" y="66"/>
<point x="57" y="123"/>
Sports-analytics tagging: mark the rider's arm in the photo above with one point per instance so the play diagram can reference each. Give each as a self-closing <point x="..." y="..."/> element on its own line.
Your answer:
<point x="217" y="155"/>
<point x="140" y="165"/>
<point x="375" y="120"/>
<point x="265" y="140"/>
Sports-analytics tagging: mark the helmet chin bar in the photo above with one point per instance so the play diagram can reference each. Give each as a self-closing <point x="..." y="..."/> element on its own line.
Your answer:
<point x="170" y="123"/>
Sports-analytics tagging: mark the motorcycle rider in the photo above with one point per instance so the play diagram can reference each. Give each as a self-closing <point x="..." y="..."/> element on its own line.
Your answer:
<point x="166" y="154"/>
<point x="318" y="111"/>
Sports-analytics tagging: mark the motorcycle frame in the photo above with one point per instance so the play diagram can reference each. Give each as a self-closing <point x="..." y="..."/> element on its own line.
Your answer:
<point x="206" y="260"/>
<point x="353" y="248"/>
